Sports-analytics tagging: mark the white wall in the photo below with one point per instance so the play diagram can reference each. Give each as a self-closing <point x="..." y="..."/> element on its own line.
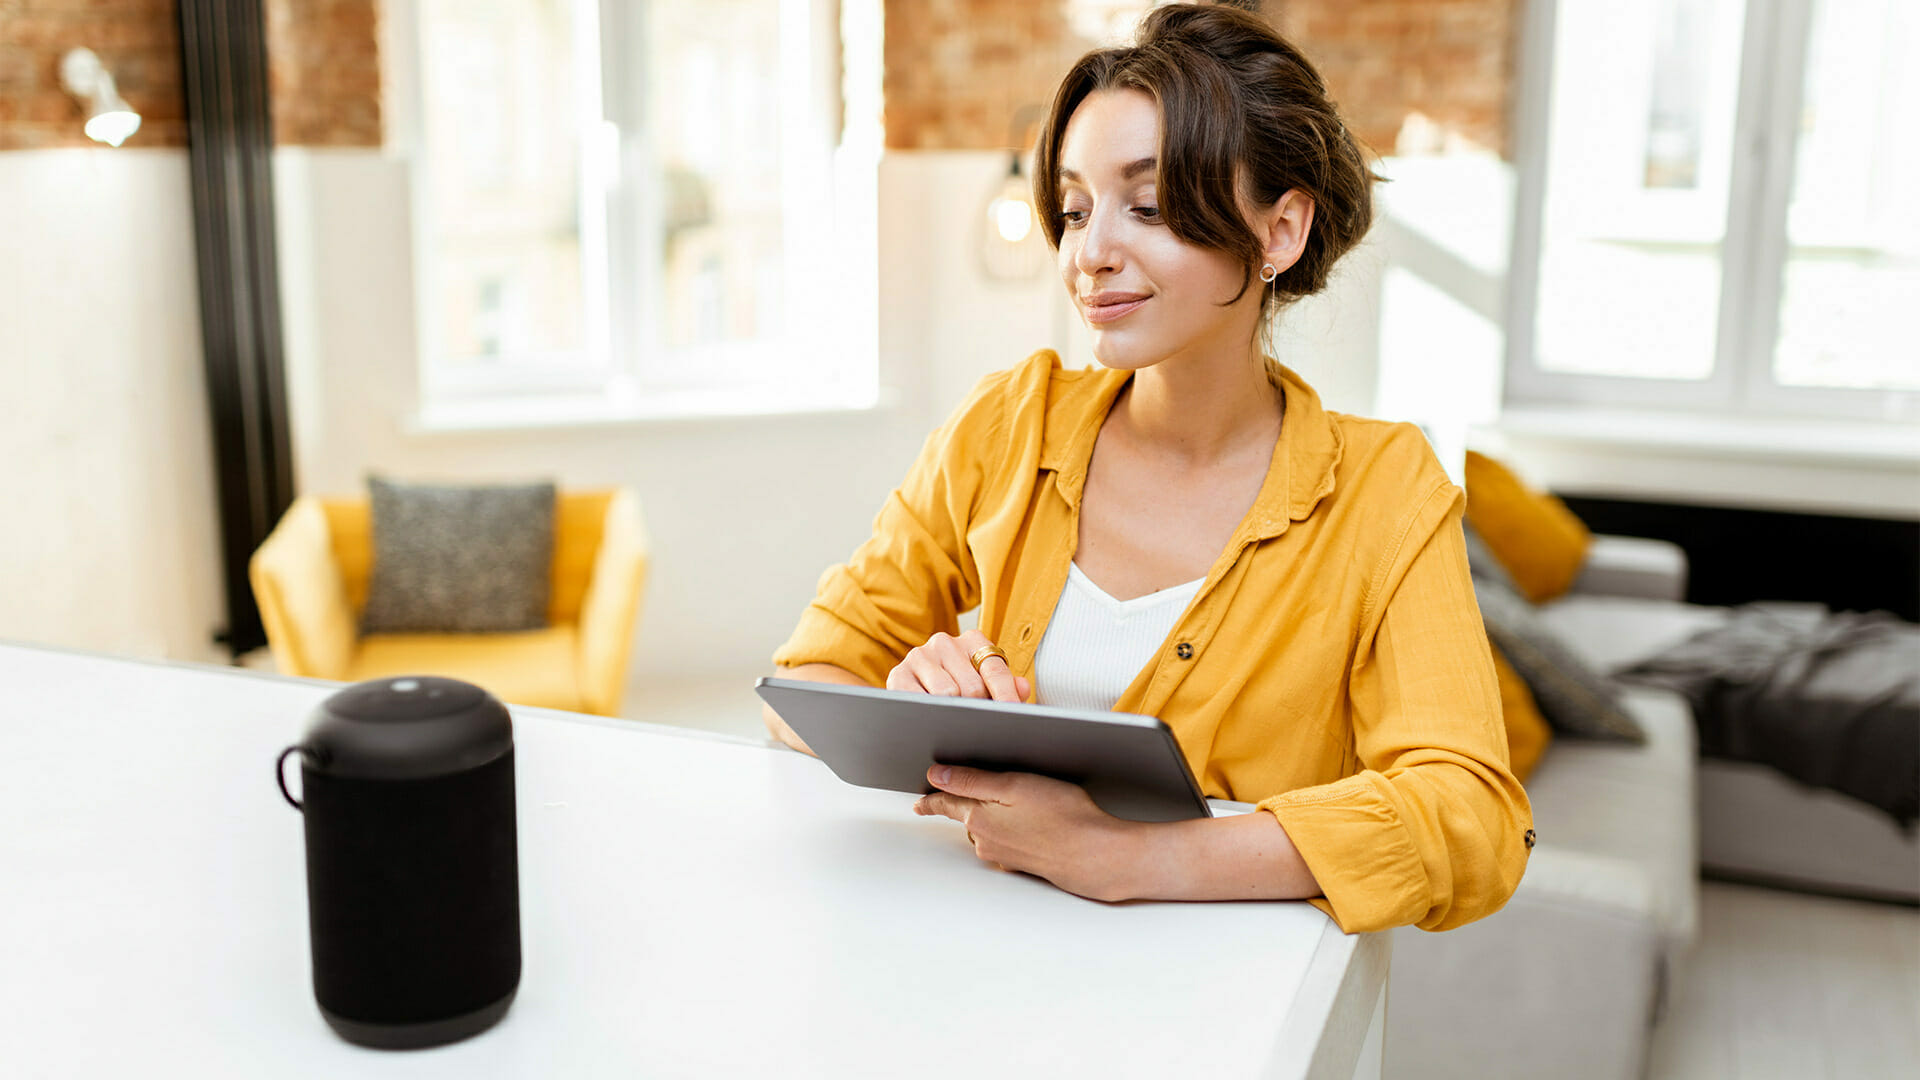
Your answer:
<point x="108" y="537"/>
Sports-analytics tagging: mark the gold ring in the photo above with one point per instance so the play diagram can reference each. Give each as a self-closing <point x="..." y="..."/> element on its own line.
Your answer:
<point x="985" y="651"/>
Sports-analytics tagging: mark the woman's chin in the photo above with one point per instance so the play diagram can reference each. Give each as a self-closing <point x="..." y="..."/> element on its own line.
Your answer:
<point x="1122" y="355"/>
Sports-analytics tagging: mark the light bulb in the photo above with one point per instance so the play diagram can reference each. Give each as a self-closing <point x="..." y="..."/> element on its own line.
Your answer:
<point x="113" y="128"/>
<point x="1013" y="217"/>
<point x="1009" y="251"/>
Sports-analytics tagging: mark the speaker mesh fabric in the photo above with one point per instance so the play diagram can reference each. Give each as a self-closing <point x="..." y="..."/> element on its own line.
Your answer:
<point x="413" y="893"/>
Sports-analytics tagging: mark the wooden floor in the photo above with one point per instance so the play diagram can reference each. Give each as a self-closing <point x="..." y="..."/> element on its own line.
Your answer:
<point x="1779" y="985"/>
<point x="1787" y="985"/>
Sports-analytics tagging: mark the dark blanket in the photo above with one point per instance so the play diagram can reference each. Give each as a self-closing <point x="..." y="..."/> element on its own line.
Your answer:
<point x="1829" y="698"/>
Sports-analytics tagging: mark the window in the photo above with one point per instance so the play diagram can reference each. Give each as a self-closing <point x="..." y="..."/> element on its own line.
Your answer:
<point x="1714" y="211"/>
<point x="646" y="208"/>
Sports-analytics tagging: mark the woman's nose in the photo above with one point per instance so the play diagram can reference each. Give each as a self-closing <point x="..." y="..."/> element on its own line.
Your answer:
<point x="1099" y="247"/>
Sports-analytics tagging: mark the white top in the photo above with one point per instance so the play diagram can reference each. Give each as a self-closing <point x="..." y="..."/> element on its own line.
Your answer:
<point x="1095" y="646"/>
<point x="689" y="907"/>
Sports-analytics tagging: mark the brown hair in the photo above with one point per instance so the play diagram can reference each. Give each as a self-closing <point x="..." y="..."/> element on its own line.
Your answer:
<point x="1241" y="111"/>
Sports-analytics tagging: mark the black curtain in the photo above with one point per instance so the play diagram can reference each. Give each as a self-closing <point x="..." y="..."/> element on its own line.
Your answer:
<point x="223" y="62"/>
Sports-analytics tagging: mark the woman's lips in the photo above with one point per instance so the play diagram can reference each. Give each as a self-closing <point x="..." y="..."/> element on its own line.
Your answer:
<point x="1108" y="312"/>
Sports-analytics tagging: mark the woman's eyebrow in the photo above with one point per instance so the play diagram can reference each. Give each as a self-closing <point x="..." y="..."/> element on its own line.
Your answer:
<point x="1127" y="172"/>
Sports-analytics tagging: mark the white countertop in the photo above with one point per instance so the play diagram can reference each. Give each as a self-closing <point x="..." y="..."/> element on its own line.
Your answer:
<point x="690" y="906"/>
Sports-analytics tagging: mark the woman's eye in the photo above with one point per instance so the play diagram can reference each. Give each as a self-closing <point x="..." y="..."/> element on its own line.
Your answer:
<point x="1072" y="217"/>
<point x="1148" y="213"/>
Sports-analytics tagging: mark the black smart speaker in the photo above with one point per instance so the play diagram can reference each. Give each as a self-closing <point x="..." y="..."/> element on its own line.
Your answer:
<point x="413" y="882"/>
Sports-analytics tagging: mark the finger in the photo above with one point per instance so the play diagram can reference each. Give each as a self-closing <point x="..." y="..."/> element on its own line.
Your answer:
<point x="1024" y="685"/>
<point x="1000" y="679"/>
<point x="956" y="655"/>
<point x="976" y="785"/>
<point x="931" y="674"/>
<point x="941" y="804"/>
<point x="902" y="678"/>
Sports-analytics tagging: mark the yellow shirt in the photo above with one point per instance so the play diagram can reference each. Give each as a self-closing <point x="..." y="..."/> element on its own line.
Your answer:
<point x="1333" y="667"/>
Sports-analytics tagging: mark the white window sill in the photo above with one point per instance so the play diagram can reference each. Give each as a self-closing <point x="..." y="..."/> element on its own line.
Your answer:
<point x="575" y="412"/>
<point x="1783" y="440"/>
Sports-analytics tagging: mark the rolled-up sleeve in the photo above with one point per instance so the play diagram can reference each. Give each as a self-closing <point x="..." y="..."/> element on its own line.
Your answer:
<point x="1431" y="831"/>
<point x="915" y="575"/>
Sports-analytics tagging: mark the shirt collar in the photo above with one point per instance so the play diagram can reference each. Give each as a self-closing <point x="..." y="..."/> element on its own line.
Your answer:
<point x="1304" y="460"/>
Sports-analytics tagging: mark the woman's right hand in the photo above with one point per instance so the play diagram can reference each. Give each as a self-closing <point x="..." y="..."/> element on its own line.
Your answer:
<point x="941" y="667"/>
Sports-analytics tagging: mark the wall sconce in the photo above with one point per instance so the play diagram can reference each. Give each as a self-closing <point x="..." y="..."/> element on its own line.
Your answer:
<point x="109" y="119"/>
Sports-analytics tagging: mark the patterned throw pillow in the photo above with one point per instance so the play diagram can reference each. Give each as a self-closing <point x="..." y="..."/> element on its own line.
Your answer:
<point x="459" y="559"/>
<point x="1577" y="700"/>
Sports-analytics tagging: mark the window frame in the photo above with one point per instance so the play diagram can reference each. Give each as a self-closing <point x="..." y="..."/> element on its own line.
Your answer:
<point x="1774" y="54"/>
<point x="620" y="224"/>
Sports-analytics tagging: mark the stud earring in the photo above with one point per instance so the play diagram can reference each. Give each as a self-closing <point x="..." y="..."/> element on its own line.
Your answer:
<point x="1268" y="273"/>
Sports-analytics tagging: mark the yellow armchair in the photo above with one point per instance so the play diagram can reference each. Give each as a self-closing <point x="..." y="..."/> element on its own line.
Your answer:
<point x="310" y="580"/>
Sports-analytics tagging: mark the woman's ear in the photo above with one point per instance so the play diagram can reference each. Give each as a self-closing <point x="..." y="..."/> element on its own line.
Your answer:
<point x="1287" y="223"/>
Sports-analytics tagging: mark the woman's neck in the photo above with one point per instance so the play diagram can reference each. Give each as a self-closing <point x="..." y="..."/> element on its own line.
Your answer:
<point x="1202" y="409"/>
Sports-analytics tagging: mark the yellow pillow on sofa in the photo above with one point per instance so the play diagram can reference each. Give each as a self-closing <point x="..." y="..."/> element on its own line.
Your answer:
<point x="1535" y="537"/>
<point x="1527" y="730"/>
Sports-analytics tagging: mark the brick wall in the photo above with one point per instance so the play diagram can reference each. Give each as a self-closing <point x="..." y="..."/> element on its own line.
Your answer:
<point x="323" y="63"/>
<point x="1452" y="61"/>
<point x="956" y="71"/>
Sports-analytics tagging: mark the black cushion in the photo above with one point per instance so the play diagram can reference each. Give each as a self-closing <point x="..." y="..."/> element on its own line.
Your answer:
<point x="454" y="559"/>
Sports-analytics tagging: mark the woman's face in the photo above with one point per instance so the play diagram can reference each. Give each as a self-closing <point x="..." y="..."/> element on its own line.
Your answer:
<point x="1145" y="294"/>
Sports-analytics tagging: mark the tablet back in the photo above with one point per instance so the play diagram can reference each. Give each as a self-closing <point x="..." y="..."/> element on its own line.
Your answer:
<point x="1130" y="765"/>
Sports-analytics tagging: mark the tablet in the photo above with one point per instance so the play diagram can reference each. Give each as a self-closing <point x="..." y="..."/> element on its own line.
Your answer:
<point x="1131" y="765"/>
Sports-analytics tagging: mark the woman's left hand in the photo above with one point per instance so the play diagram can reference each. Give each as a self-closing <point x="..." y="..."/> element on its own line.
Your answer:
<point x="1040" y="826"/>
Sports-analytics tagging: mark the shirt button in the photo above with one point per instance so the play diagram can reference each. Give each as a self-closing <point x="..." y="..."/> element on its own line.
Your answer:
<point x="1184" y="650"/>
<point x="1529" y="839"/>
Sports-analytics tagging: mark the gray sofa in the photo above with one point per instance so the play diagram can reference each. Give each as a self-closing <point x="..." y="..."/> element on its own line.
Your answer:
<point x="1569" y="979"/>
<point x="1755" y="823"/>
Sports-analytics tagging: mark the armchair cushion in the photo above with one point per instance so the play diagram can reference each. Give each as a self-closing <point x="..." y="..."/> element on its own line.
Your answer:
<point x="459" y="559"/>
<point x="531" y="667"/>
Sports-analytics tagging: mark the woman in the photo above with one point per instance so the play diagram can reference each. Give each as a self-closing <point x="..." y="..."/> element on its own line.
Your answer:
<point x="1188" y="534"/>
